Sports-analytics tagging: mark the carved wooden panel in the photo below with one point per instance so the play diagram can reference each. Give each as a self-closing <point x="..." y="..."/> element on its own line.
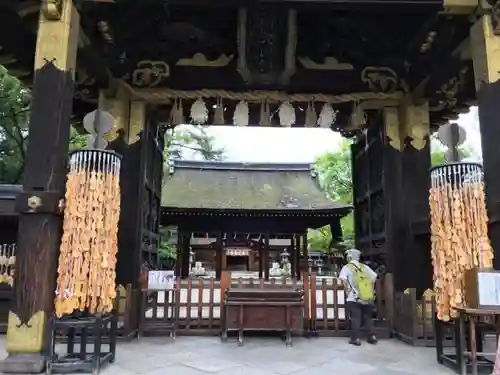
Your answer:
<point x="152" y="154"/>
<point x="369" y="199"/>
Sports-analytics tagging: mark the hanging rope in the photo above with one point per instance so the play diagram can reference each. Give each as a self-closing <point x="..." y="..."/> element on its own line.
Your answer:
<point x="166" y="94"/>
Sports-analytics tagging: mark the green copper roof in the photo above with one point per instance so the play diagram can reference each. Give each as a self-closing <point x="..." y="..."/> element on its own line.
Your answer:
<point x="211" y="185"/>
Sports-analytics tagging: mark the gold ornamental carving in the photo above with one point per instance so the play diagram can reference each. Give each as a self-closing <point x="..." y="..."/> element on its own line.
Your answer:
<point x="393" y="131"/>
<point x="448" y="92"/>
<point x="417" y="123"/>
<point x="52" y="9"/>
<point x="329" y="63"/>
<point x="150" y="73"/>
<point x="137" y="121"/>
<point x="25" y="337"/>
<point x="380" y="78"/>
<point x="34" y="202"/>
<point x="200" y="60"/>
<point x="495" y="15"/>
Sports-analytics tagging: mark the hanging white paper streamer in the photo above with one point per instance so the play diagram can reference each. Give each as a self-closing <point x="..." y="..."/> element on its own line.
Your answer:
<point x="287" y="114"/>
<point x="177" y="113"/>
<point x="199" y="112"/>
<point x="327" y="116"/>
<point x="241" y="114"/>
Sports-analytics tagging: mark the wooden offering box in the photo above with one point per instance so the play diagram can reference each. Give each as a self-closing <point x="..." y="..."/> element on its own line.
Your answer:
<point x="263" y="310"/>
<point x="482" y="288"/>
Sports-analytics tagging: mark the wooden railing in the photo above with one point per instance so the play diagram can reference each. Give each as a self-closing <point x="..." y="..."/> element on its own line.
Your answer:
<point x="414" y="317"/>
<point x="195" y="305"/>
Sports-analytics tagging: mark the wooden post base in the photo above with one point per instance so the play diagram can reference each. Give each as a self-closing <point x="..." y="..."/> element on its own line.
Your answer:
<point x="23" y="363"/>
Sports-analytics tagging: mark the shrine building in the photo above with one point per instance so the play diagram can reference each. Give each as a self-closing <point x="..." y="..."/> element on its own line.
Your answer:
<point x="386" y="73"/>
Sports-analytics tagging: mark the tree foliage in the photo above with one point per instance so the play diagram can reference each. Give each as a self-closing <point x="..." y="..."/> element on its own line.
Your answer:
<point x="14" y="124"/>
<point x="192" y="139"/>
<point x="14" y="137"/>
<point x="335" y="178"/>
<point x="14" y="120"/>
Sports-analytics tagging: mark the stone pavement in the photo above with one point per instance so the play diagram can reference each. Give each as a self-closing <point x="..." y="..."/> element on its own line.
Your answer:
<point x="269" y="356"/>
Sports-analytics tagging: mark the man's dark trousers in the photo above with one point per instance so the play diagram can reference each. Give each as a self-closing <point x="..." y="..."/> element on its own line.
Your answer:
<point x="359" y="313"/>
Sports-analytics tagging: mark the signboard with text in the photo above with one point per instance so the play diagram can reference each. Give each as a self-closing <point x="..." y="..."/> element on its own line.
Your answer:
<point x="161" y="280"/>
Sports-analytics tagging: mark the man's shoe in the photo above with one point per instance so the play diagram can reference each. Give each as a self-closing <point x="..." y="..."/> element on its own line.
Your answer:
<point x="372" y="340"/>
<point x="355" y="342"/>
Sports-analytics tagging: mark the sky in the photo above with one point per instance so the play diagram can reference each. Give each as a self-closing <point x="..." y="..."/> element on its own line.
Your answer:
<point x="302" y="145"/>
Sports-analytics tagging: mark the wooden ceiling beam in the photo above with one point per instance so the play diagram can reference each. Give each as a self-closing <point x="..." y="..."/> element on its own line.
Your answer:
<point x="450" y="36"/>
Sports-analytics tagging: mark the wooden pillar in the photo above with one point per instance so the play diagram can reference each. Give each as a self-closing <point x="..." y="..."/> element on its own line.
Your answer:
<point x="119" y="107"/>
<point x="178" y="255"/>
<point x="185" y="253"/>
<point x="261" y="257"/>
<point x="305" y="249"/>
<point x="292" y="249"/>
<point x="219" y="254"/>
<point x="406" y="166"/>
<point x="40" y="220"/>
<point x="485" y="47"/>
<point x="298" y="246"/>
<point x="129" y="259"/>
<point x="265" y="256"/>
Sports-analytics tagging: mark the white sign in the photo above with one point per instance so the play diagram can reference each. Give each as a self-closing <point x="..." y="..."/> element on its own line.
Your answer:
<point x="489" y="288"/>
<point x="161" y="280"/>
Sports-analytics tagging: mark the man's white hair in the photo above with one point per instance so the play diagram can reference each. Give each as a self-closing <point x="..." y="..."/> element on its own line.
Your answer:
<point x="353" y="254"/>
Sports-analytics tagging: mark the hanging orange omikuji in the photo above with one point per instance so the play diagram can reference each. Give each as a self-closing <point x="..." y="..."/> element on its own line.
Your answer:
<point x="459" y="232"/>
<point x="87" y="259"/>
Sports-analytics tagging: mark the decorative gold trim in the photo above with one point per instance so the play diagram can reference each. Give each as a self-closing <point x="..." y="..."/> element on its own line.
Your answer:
<point x="200" y="60"/>
<point x="460" y="6"/>
<point x="58" y="35"/>
<point x="393" y="128"/>
<point x="119" y="108"/>
<point x="25" y="337"/>
<point x="34" y="202"/>
<point x="485" y="47"/>
<point x="137" y="120"/>
<point x="417" y="124"/>
<point x="150" y="73"/>
<point x="52" y="9"/>
<point x="330" y="63"/>
<point x="448" y="92"/>
<point x="380" y="78"/>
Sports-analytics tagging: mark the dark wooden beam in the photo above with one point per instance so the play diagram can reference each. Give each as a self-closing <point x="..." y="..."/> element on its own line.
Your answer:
<point x="451" y="32"/>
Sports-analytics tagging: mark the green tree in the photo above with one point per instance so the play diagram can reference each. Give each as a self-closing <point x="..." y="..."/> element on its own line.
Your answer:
<point x="14" y="124"/>
<point x="438" y="152"/>
<point x="14" y="119"/>
<point x="192" y="138"/>
<point x="335" y="178"/>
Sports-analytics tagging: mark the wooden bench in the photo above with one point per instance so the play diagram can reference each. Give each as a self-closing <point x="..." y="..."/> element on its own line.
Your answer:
<point x="252" y="309"/>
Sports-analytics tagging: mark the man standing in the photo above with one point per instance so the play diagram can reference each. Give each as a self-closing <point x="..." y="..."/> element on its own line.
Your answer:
<point x="359" y="284"/>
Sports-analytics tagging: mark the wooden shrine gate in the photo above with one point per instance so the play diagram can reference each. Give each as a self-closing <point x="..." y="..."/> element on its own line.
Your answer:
<point x="139" y="236"/>
<point x="390" y="183"/>
<point x="195" y="305"/>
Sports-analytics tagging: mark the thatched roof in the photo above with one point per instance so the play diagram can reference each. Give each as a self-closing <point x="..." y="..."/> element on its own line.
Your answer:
<point x="241" y="186"/>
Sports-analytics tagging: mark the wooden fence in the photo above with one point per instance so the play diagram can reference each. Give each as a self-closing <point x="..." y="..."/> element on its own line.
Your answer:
<point x="414" y="321"/>
<point x="195" y="305"/>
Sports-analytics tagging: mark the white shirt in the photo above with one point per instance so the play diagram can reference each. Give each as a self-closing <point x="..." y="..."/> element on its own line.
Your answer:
<point x="346" y="274"/>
